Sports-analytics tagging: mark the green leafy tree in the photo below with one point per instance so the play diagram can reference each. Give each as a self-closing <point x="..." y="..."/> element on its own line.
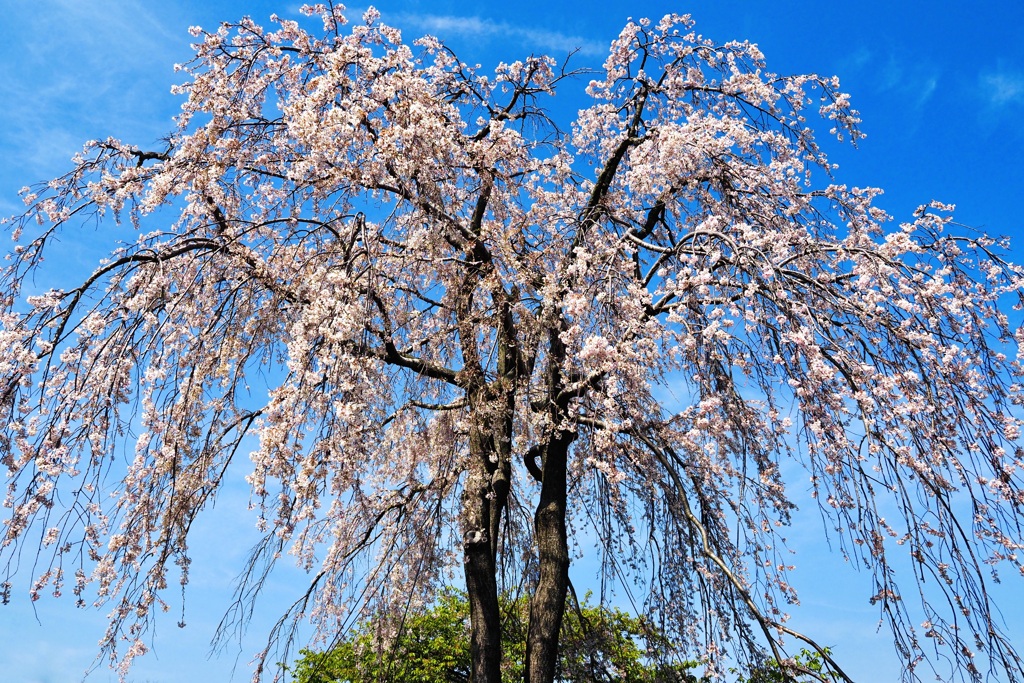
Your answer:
<point x="806" y="666"/>
<point x="433" y="646"/>
<point x="599" y="645"/>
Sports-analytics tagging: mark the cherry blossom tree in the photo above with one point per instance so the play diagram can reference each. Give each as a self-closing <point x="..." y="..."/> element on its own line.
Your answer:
<point x="455" y="332"/>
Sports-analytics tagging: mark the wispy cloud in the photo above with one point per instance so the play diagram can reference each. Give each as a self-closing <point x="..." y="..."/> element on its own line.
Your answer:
<point x="534" y="37"/>
<point x="856" y="60"/>
<point x="913" y="82"/>
<point x="926" y="88"/>
<point x="899" y="77"/>
<point x="1002" y="88"/>
<point x="91" y="68"/>
<point x="448" y="26"/>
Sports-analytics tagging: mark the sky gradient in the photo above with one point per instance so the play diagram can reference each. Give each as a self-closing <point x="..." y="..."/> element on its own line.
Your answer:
<point x="940" y="86"/>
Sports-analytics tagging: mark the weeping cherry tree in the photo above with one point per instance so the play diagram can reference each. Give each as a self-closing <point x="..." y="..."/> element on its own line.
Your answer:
<point x="441" y="333"/>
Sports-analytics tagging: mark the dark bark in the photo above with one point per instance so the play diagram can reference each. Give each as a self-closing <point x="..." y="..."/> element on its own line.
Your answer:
<point x="479" y="504"/>
<point x="501" y="474"/>
<point x="484" y="614"/>
<point x="480" y="569"/>
<point x="484" y="499"/>
<point x="548" y="604"/>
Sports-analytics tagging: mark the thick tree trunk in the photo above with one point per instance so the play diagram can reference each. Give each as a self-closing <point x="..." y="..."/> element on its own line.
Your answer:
<point x="484" y="614"/>
<point x="548" y="603"/>
<point x="486" y="490"/>
<point x="478" y="503"/>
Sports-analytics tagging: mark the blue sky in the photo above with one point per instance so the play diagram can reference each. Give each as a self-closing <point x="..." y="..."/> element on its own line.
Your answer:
<point x="940" y="86"/>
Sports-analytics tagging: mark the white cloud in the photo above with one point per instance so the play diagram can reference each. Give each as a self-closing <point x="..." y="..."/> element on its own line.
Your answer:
<point x="446" y="26"/>
<point x="911" y="81"/>
<point x="926" y="90"/>
<point x="80" y="69"/>
<point x="1002" y="88"/>
<point x="103" y="33"/>
<point x="856" y="60"/>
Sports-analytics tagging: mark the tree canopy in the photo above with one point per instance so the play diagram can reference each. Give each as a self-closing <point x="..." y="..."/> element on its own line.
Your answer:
<point x="461" y="332"/>
<point x="432" y="646"/>
<point x="597" y="644"/>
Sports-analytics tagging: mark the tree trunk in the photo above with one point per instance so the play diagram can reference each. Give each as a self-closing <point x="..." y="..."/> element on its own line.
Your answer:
<point x="480" y="566"/>
<point x="484" y="614"/>
<point x="548" y="604"/>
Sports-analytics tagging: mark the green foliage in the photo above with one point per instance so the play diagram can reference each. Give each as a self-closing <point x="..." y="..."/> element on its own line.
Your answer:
<point x="598" y="644"/>
<point x="805" y="667"/>
<point x="433" y="648"/>
<point x="601" y="644"/>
